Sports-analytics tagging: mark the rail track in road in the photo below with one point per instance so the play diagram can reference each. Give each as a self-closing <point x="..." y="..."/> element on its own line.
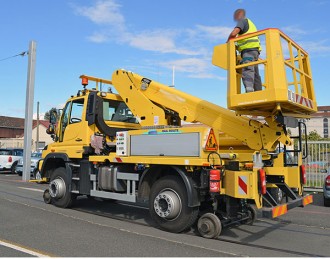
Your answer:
<point x="145" y="224"/>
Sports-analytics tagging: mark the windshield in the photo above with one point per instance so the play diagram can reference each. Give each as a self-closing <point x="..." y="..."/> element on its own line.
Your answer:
<point x="5" y="152"/>
<point x="36" y="155"/>
<point x="117" y="111"/>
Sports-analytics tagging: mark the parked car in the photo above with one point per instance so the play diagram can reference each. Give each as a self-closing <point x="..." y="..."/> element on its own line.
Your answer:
<point x="35" y="157"/>
<point x="326" y="189"/>
<point x="9" y="158"/>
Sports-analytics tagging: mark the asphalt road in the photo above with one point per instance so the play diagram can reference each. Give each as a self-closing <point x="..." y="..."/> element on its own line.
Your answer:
<point x="29" y="227"/>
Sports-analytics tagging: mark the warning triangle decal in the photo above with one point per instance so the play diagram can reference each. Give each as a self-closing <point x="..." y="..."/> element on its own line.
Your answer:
<point x="211" y="142"/>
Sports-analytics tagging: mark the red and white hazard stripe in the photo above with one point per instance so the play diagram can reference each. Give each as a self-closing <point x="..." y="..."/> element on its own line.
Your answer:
<point x="304" y="101"/>
<point x="242" y="185"/>
<point x="293" y="97"/>
<point x="118" y="160"/>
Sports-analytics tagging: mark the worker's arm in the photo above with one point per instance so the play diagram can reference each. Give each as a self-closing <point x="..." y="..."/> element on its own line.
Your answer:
<point x="234" y="33"/>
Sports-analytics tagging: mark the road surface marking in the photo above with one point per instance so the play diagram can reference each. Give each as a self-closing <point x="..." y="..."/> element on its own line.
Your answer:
<point x="122" y="229"/>
<point x="22" y="249"/>
<point x="10" y="175"/>
<point x="31" y="189"/>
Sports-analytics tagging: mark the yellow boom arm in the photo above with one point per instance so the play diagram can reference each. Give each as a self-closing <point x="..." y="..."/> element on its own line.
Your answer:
<point x="145" y="98"/>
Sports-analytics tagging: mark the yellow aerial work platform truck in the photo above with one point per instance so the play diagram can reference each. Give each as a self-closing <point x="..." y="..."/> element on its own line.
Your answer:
<point x="132" y="145"/>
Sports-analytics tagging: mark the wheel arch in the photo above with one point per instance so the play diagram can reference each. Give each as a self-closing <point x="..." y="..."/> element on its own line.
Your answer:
<point x="53" y="161"/>
<point x="152" y="174"/>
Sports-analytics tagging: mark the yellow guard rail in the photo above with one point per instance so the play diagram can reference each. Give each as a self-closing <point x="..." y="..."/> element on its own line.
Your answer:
<point x="285" y="72"/>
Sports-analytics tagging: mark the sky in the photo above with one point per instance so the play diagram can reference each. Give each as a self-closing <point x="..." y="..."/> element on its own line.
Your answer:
<point x="96" y="37"/>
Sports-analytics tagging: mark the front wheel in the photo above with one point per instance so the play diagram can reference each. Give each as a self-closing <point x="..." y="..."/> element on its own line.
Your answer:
<point x="13" y="168"/>
<point x="59" y="188"/>
<point x="168" y="205"/>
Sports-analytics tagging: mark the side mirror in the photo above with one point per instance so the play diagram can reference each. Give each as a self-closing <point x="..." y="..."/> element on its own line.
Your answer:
<point x="53" y="117"/>
<point x="51" y="129"/>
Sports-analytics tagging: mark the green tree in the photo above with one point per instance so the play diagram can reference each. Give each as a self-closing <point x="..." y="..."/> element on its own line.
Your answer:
<point x="314" y="136"/>
<point x="47" y="114"/>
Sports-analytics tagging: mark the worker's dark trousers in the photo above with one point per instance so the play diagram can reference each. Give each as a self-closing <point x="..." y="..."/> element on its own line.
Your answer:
<point x="250" y="74"/>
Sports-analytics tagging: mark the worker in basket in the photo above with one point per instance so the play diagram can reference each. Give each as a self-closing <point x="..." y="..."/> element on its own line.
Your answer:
<point x="250" y="50"/>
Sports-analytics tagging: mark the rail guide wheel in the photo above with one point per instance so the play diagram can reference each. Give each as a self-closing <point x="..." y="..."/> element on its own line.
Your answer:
<point x="209" y="226"/>
<point x="47" y="197"/>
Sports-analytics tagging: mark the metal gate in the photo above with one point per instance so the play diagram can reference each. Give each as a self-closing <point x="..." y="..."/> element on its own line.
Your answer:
<point x="317" y="162"/>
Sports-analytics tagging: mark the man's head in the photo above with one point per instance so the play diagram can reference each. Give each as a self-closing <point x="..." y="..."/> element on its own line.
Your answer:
<point x="239" y="14"/>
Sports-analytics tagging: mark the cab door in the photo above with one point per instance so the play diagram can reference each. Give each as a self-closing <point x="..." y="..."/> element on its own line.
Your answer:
<point x="73" y="129"/>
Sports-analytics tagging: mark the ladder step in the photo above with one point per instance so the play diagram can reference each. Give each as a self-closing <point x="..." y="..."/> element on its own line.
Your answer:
<point x="74" y="191"/>
<point x="74" y="165"/>
<point x="75" y="178"/>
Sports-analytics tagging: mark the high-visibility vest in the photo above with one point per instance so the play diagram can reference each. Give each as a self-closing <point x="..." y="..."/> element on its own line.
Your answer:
<point x="249" y="43"/>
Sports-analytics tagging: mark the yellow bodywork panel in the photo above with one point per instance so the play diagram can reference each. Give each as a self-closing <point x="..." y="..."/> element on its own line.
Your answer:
<point x="242" y="185"/>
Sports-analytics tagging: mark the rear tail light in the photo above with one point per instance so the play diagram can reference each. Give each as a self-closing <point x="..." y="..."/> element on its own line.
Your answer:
<point x="303" y="176"/>
<point x="215" y="180"/>
<point x="327" y="181"/>
<point x="10" y="159"/>
<point x="262" y="181"/>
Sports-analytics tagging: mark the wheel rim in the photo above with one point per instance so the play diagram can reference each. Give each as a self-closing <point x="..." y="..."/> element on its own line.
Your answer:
<point x="167" y="204"/>
<point x="57" y="188"/>
<point x="279" y="195"/>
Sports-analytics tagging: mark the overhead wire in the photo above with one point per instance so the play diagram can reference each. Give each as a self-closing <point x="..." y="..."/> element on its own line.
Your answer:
<point x="22" y="54"/>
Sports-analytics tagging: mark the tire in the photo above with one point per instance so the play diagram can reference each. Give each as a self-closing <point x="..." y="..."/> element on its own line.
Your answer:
<point x="66" y="200"/>
<point x="326" y="202"/>
<point x="13" y="168"/>
<point x="180" y="217"/>
<point x="19" y="173"/>
<point x="252" y="212"/>
<point x="277" y="194"/>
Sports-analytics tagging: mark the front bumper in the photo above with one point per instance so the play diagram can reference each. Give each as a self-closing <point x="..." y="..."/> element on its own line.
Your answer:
<point x="326" y="193"/>
<point x="6" y="166"/>
<point x="276" y="211"/>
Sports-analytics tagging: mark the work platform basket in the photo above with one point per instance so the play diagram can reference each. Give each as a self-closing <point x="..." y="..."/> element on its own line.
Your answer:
<point x="285" y="72"/>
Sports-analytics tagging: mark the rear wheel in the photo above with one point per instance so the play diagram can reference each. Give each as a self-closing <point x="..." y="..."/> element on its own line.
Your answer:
<point x="59" y="188"/>
<point x="326" y="202"/>
<point x="168" y="205"/>
<point x="209" y="226"/>
<point x="277" y="194"/>
<point x="252" y="214"/>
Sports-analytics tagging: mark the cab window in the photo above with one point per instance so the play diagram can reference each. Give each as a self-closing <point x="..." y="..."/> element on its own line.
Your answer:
<point x="117" y="111"/>
<point x="76" y="111"/>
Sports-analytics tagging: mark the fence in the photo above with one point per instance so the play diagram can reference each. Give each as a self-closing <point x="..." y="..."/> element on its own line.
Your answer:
<point x="317" y="162"/>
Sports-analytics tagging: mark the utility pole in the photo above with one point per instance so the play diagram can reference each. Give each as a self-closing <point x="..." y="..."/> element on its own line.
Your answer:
<point x="173" y="77"/>
<point x="29" y="111"/>
<point x="37" y="141"/>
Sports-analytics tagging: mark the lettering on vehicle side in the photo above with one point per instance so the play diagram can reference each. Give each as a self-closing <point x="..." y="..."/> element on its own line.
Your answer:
<point x="165" y="131"/>
<point x="171" y="131"/>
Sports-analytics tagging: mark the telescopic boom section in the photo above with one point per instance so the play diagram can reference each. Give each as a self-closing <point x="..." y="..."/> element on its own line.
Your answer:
<point x="149" y="100"/>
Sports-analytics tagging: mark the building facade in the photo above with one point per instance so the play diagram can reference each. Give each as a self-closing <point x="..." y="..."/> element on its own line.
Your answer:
<point x="12" y="133"/>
